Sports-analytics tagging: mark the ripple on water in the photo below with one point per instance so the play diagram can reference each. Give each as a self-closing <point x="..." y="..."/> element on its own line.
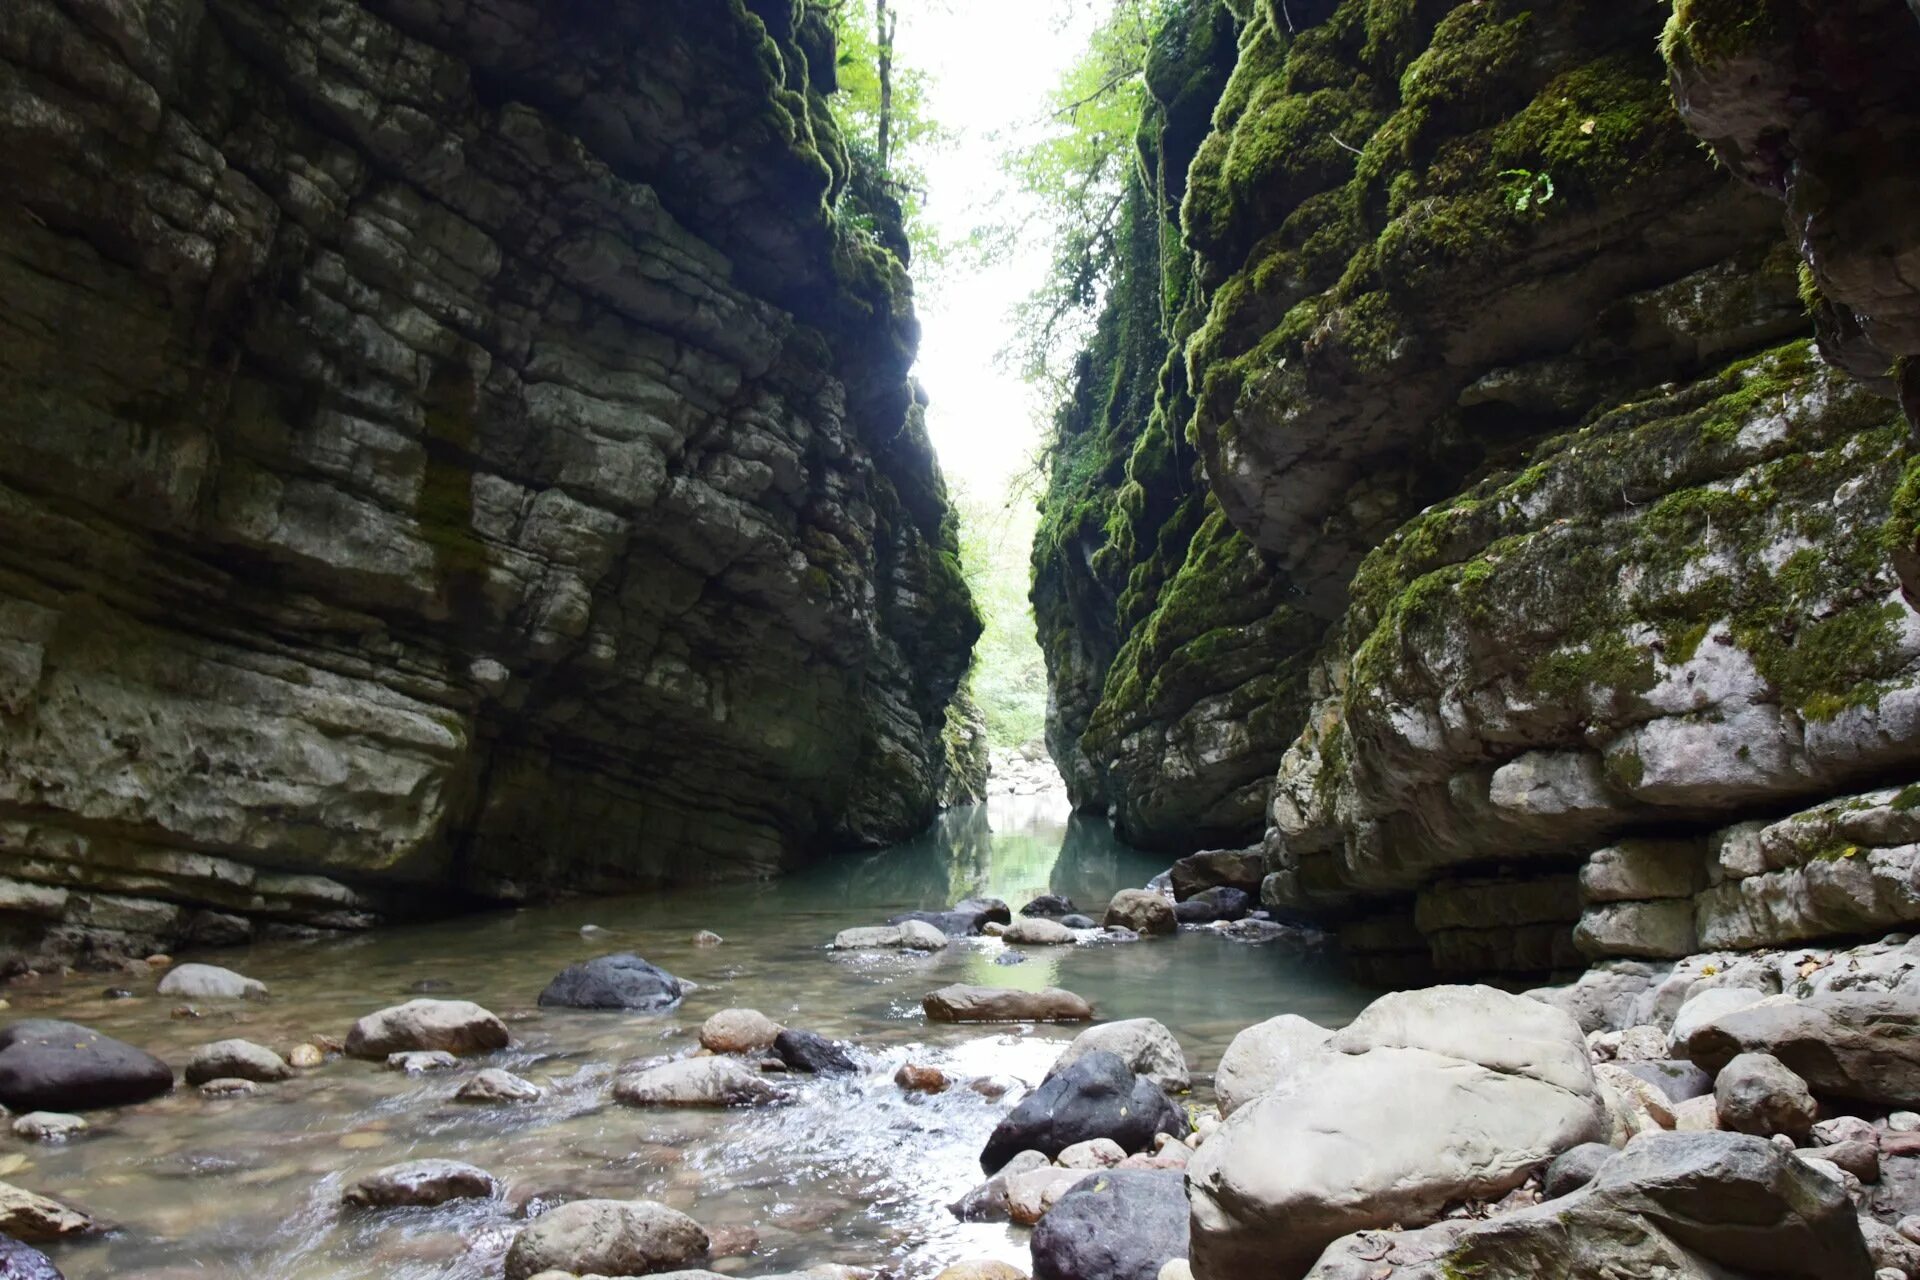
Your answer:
<point x="854" y="1171"/>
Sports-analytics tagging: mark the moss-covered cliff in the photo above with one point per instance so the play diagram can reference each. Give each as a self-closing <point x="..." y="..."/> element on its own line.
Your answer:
<point x="447" y="455"/>
<point x="1524" y="517"/>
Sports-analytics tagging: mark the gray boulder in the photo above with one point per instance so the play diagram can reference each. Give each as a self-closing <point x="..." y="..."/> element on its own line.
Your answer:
<point x="1049" y="906"/>
<point x="962" y="919"/>
<point x="496" y="1086"/>
<point x="812" y="1053"/>
<point x="1241" y="869"/>
<point x="1687" y="1206"/>
<point x="48" y="1065"/>
<point x="209" y="982"/>
<point x="1856" y="1044"/>
<point x="1427" y="1099"/>
<point x="1119" y="1224"/>
<point x="1146" y="1046"/>
<point x="961" y="1003"/>
<point x="622" y="981"/>
<point x="1757" y="1094"/>
<point x="236" y="1060"/>
<point x="457" y="1026"/>
<point x="608" y="1238"/>
<point x="1680" y="1080"/>
<point x="1096" y="1097"/>
<point x="1574" y="1169"/>
<point x="1265" y="1056"/>
<point x="420" y="1183"/>
<point x="1035" y="932"/>
<point x="24" y="1262"/>
<point x="696" y="1082"/>
<point x="1142" y="911"/>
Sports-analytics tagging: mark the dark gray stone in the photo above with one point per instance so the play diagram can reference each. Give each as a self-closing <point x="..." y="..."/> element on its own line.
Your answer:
<point x="1049" y="906"/>
<point x="24" y="1262"/>
<point x="962" y="919"/>
<point x="1574" y="1169"/>
<point x="809" y="1051"/>
<point x="1121" y="1224"/>
<point x="47" y="1065"/>
<point x="1681" y="1081"/>
<point x="1096" y="1097"/>
<point x="622" y="981"/>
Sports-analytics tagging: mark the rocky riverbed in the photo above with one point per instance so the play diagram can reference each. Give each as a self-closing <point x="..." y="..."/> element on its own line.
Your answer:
<point x="884" y="1068"/>
<point x="848" y="1169"/>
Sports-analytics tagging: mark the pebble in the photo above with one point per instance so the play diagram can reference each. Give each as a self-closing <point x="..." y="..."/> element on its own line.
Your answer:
<point x="495" y="1085"/>
<point x="707" y="938"/>
<point x="305" y="1056"/>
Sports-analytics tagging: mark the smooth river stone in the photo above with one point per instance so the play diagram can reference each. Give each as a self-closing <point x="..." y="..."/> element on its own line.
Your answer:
<point x="960" y="1003"/>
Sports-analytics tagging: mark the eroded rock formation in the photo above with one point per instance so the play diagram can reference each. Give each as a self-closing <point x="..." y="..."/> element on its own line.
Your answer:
<point x="1502" y="515"/>
<point x="446" y="451"/>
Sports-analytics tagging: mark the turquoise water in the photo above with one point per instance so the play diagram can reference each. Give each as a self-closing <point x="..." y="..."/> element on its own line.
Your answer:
<point x="853" y="1172"/>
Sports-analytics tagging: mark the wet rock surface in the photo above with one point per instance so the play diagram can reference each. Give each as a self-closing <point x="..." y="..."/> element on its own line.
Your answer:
<point x="48" y="1065"/>
<point x="622" y="981"/>
<point x="459" y="432"/>
<point x="1097" y="1096"/>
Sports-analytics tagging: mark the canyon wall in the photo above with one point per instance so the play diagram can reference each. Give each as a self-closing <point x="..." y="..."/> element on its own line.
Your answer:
<point x="1536" y="515"/>
<point x="448" y="453"/>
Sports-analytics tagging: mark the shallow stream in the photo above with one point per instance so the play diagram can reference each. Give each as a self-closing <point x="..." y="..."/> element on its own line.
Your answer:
<point x="854" y="1171"/>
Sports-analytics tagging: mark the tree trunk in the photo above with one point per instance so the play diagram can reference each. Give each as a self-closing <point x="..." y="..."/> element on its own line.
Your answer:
<point x="886" y="22"/>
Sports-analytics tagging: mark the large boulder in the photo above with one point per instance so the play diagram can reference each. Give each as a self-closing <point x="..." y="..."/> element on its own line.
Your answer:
<point x="622" y="981"/>
<point x="496" y="1086"/>
<point x="960" y="1003"/>
<point x="813" y="1053"/>
<point x="48" y="1065"/>
<point x="738" y="1031"/>
<point x="910" y="935"/>
<point x="24" y="1262"/>
<point x="454" y="1026"/>
<point x="1265" y="1056"/>
<point x="209" y="982"/>
<point x="606" y="1237"/>
<point x="1096" y="1097"/>
<point x="1142" y="911"/>
<point x="1857" y="1044"/>
<point x="1122" y="1224"/>
<point x="696" y="1082"/>
<point x="36" y="1219"/>
<point x="1242" y="869"/>
<point x="1756" y="1093"/>
<point x="1146" y="1046"/>
<point x="1035" y="932"/>
<point x="1427" y="1099"/>
<point x="1689" y="1206"/>
<point x="420" y="1183"/>
<point x="236" y="1060"/>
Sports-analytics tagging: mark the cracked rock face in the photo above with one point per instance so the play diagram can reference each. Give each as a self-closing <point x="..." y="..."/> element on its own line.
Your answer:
<point x="1494" y="502"/>
<point x="445" y="449"/>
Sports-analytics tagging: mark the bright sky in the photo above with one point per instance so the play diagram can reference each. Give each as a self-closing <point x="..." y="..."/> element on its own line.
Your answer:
<point x="991" y="63"/>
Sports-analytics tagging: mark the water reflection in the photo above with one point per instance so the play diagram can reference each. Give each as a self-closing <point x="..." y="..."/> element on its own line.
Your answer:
<point x="854" y="1172"/>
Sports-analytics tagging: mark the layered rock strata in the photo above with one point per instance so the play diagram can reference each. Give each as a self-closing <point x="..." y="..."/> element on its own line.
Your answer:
<point x="446" y="454"/>
<point x="1546" y="514"/>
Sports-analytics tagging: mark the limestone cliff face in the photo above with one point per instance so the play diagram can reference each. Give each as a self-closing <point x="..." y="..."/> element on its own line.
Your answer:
<point x="1557" y="557"/>
<point x="446" y="450"/>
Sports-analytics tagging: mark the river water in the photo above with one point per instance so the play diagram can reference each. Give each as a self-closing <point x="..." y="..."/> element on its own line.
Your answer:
<point x="854" y="1171"/>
